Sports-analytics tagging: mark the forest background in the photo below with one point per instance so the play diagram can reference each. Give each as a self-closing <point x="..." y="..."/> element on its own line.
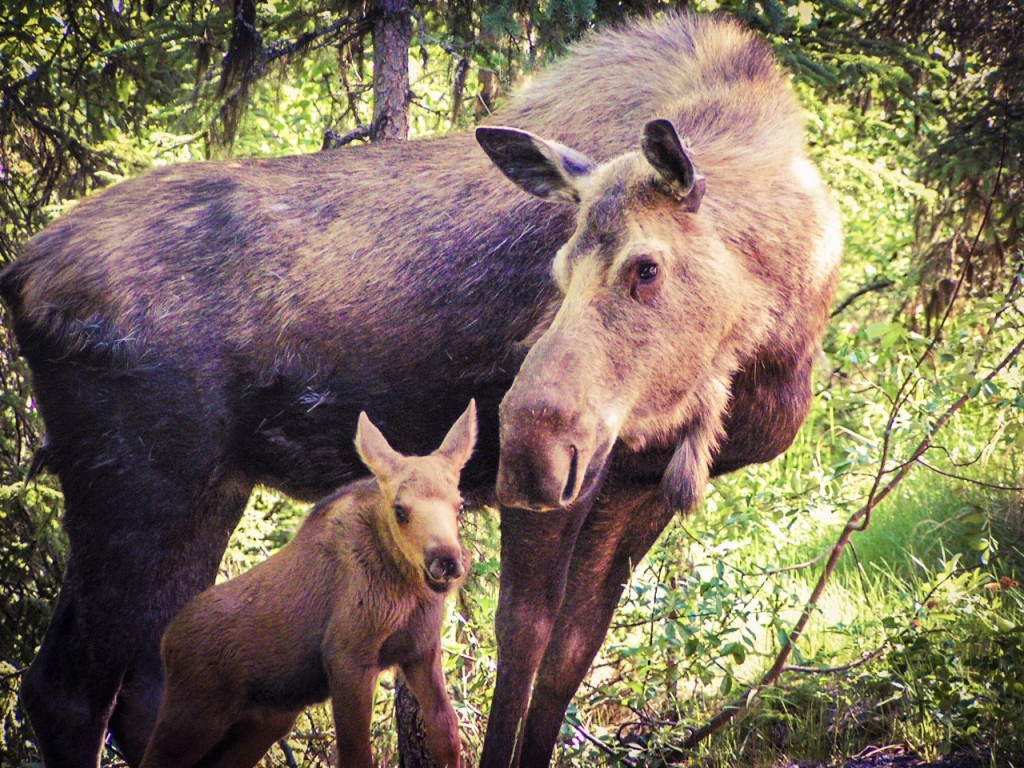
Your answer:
<point x="859" y="595"/>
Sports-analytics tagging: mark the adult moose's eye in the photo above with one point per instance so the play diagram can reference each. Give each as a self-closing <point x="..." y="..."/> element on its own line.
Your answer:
<point x="647" y="272"/>
<point x="401" y="514"/>
<point x="646" y="280"/>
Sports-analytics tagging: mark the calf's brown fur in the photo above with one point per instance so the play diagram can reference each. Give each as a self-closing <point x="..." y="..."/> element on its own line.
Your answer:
<point x="359" y="589"/>
<point x="210" y="326"/>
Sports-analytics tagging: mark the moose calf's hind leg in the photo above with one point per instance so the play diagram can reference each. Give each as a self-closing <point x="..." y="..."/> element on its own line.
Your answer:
<point x="182" y="743"/>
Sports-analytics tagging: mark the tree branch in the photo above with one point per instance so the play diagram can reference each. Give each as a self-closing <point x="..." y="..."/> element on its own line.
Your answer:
<point x="864" y="659"/>
<point x="878" y="284"/>
<point x="332" y="140"/>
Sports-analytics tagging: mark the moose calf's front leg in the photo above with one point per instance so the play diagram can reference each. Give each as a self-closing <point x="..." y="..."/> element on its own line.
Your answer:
<point x="426" y="681"/>
<point x="352" y="686"/>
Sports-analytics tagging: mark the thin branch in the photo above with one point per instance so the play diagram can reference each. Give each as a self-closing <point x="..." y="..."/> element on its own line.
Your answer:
<point x="601" y="745"/>
<point x="14" y="673"/>
<point x="289" y="756"/>
<point x="864" y="659"/>
<point x="982" y="483"/>
<point x="878" y="284"/>
<point x="284" y="48"/>
<point x="784" y="569"/>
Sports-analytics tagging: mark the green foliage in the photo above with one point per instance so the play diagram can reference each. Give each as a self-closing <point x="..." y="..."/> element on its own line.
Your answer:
<point x="958" y="667"/>
<point x="915" y="122"/>
<point x="32" y="549"/>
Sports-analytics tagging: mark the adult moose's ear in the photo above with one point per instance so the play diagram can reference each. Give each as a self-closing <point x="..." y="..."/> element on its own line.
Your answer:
<point x="663" y="150"/>
<point x="543" y="168"/>
<point x="379" y="457"/>
<point x="458" y="444"/>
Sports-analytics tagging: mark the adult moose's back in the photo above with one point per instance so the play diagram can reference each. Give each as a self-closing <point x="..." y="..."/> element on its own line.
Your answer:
<point x="207" y="327"/>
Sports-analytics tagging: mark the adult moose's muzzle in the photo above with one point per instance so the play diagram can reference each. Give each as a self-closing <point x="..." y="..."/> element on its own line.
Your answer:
<point x="553" y="441"/>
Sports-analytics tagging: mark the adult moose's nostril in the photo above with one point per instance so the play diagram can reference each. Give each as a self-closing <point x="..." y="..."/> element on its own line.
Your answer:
<point x="569" y="491"/>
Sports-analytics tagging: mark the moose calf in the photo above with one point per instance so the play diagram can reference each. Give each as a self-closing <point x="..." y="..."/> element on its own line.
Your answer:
<point x="359" y="589"/>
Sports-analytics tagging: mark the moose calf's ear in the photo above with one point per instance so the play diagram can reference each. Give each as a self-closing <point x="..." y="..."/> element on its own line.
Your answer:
<point x="543" y="168"/>
<point x="458" y="444"/>
<point x="379" y="457"/>
<point x="664" y="151"/>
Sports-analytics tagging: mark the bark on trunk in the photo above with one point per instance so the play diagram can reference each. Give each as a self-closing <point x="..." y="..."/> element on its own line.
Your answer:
<point x="392" y="34"/>
<point x="412" y="739"/>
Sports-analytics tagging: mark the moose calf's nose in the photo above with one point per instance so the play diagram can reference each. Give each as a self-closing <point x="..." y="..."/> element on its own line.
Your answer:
<point x="444" y="567"/>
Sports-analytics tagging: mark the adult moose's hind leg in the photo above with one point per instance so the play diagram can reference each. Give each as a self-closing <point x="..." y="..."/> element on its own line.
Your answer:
<point x="148" y="515"/>
<point x="189" y="566"/>
<point x="622" y="527"/>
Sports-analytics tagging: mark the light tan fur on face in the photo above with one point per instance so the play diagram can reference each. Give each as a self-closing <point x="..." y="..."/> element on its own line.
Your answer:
<point x="425" y="490"/>
<point x="351" y="595"/>
<point x="746" y="240"/>
<point x="710" y="308"/>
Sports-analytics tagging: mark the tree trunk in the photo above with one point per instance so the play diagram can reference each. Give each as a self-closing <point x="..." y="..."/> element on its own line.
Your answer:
<point x="392" y="34"/>
<point x="240" y="70"/>
<point x="412" y="739"/>
<point x="490" y="86"/>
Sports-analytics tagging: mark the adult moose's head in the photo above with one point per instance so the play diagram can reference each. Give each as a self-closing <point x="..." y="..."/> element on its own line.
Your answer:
<point x="645" y="340"/>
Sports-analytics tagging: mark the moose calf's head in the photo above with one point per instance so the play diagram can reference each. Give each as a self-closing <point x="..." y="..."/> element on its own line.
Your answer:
<point x="649" y="295"/>
<point x="420" y="506"/>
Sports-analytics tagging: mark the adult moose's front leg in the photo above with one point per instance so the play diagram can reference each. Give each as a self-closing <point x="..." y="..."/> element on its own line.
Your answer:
<point x="535" y="551"/>
<point x="619" y="531"/>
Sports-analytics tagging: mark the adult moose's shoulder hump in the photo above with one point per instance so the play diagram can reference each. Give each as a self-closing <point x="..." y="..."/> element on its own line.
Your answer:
<point x="211" y="326"/>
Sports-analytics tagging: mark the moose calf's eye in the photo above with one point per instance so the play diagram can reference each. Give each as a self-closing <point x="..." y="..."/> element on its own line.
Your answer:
<point x="401" y="514"/>
<point x="646" y="280"/>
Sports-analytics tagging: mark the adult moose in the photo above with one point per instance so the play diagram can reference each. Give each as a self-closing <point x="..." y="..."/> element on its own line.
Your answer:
<point x="208" y="327"/>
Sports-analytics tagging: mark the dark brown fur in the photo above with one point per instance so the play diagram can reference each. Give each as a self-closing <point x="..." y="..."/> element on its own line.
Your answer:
<point x="207" y="327"/>
<point x="359" y="589"/>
